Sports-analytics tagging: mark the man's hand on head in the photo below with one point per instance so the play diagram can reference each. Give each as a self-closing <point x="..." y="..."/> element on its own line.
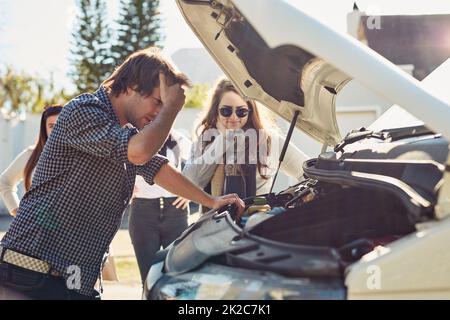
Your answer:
<point x="171" y="96"/>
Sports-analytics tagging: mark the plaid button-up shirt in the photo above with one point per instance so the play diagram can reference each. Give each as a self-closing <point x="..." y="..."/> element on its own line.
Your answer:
<point x="82" y="184"/>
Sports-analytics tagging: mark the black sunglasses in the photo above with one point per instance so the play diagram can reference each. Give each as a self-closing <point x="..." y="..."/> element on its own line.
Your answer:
<point x="227" y="111"/>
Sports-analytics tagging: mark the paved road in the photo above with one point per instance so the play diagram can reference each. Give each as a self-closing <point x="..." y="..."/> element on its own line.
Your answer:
<point x="119" y="291"/>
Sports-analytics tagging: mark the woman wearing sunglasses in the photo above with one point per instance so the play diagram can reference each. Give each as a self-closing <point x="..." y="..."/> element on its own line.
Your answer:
<point x="230" y="115"/>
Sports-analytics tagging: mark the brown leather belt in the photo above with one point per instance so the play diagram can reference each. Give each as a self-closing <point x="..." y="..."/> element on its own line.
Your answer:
<point x="27" y="262"/>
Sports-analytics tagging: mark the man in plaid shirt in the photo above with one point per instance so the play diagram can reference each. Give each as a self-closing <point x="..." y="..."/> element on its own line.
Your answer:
<point x="85" y="176"/>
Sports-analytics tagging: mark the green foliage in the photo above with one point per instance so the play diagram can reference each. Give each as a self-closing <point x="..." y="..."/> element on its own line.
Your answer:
<point x="138" y="28"/>
<point x="95" y="54"/>
<point x="196" y="96"/>
<point x="48" y="94"/>
<point x="3" y="96"/>
<point x="91" y="46"/>
<point x="20" y="91"/>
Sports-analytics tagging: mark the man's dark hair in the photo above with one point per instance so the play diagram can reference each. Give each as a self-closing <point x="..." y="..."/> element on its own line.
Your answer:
<point x="140" y="72"/>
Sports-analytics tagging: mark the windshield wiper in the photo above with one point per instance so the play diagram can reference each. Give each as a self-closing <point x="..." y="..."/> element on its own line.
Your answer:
<point x="408" y="132"/>
<point x="391" y="134"/>
<point x="357" y="135"/>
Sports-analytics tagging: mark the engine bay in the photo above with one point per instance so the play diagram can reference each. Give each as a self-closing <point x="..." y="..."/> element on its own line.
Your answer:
<point x="353" y="220"/>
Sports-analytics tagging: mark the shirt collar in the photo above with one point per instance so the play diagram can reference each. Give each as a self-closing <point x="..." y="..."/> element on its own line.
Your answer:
<point x="102" y="95"/>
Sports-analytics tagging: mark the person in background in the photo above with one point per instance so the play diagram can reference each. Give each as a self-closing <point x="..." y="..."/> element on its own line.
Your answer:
<point x="228" y="113"/>
<point x="22" y="168"/>
<point x="157" y="217"/>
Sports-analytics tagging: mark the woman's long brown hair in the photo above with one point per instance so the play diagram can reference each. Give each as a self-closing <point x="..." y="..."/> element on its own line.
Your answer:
<point x="212" y="114"/>
<point x="42" y="139"/>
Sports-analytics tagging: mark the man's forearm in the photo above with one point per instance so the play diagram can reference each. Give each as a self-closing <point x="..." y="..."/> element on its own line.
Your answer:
<point x="144" y="145"/>
<point x="173" y="181"/>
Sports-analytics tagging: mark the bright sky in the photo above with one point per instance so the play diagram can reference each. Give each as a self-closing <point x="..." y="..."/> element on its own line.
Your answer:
<point x="35" y="35"/>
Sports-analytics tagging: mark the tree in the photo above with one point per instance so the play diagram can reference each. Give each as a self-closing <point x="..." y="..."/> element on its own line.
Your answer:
<point x="91" y="46"/>
<point x="138" y="28"/>
<point x="20" y="91"/>
<point x="196" y="96"/>
<point x="3" y="97"/>
<point x="48" y="94"/>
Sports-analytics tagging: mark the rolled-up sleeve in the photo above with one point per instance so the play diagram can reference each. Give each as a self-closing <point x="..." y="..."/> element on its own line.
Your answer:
<point x="199" y="171"/>
<point x="149" y="170"/>
<point x="89" y="129"/>
<point x="202" y="163"/>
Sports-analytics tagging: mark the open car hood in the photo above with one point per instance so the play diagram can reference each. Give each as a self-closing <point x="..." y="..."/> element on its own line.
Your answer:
<point x="288" y="61"/>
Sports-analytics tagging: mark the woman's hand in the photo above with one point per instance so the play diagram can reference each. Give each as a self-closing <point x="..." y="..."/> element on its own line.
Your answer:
<point x="181" y="202"/>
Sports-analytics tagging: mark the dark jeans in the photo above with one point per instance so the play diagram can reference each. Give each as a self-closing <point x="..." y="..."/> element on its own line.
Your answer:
<point x="151" y="227"/>
<point x="17" y="283"/>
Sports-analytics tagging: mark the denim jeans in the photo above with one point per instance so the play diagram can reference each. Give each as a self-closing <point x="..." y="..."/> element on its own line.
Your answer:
<point x="153" y="224"/>
<point x="17" y="283"/>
